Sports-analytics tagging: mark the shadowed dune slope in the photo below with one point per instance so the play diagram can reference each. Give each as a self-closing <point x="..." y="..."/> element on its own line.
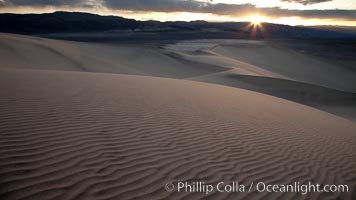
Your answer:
<point x="333" y="101"/>
<point x="68" y="135"/>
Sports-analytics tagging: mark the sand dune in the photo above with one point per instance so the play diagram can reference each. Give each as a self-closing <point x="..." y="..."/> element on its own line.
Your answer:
<point x="268" y="60"/>
<point x="293" y="65"/>
<point x="17" y="51"/>
<point x="273" y="70"/>
<point x="70" y="135"/>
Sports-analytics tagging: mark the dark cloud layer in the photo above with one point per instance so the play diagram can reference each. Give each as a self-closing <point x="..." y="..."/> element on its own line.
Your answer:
<point x="306" y="2"/>
<point x="175" y="6"/>
<point x="44" y="3"/>
<point x="197" y="7"/>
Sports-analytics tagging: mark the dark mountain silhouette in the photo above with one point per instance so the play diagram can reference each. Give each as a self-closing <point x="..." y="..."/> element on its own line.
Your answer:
<point x="62" y="22"/>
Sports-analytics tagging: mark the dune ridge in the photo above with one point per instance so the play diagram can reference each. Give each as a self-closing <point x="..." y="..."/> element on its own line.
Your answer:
<point x="69" y="135"/>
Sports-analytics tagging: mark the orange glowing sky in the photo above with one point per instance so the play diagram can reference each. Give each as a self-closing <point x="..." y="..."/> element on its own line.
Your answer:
<point x="274" y="11"/>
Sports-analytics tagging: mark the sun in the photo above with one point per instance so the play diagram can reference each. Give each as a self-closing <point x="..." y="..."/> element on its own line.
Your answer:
<point x="256" y="20"/>
<point x="255" y="26"/>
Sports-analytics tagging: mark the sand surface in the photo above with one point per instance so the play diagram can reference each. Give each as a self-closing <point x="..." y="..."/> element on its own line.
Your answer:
<point x="69" y="134"/>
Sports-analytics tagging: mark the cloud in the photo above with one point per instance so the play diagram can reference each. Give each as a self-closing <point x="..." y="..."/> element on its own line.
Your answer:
<point x="226" y="9"/>
<point x="165" y="5"/>
<point x="157" y="5"/>
<point x="306" y="2"/>
<point x="43" y="3"/>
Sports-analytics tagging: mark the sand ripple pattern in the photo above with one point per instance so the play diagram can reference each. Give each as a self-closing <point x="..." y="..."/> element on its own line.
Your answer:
<point x="68" y="135"/>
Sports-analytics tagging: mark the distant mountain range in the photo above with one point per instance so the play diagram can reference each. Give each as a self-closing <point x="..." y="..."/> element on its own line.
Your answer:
<point x="74" y="22"/>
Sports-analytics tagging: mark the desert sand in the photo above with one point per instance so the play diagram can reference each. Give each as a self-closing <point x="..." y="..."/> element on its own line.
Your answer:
<point x="254" y="65"/>
<point x="144" y="116"/>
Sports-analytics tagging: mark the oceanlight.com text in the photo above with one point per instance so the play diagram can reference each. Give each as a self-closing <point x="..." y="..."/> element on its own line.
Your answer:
<point x="236" y="187"/>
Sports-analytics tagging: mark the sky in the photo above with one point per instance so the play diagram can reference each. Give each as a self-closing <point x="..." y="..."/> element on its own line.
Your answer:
<point x="290" y="12"/>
